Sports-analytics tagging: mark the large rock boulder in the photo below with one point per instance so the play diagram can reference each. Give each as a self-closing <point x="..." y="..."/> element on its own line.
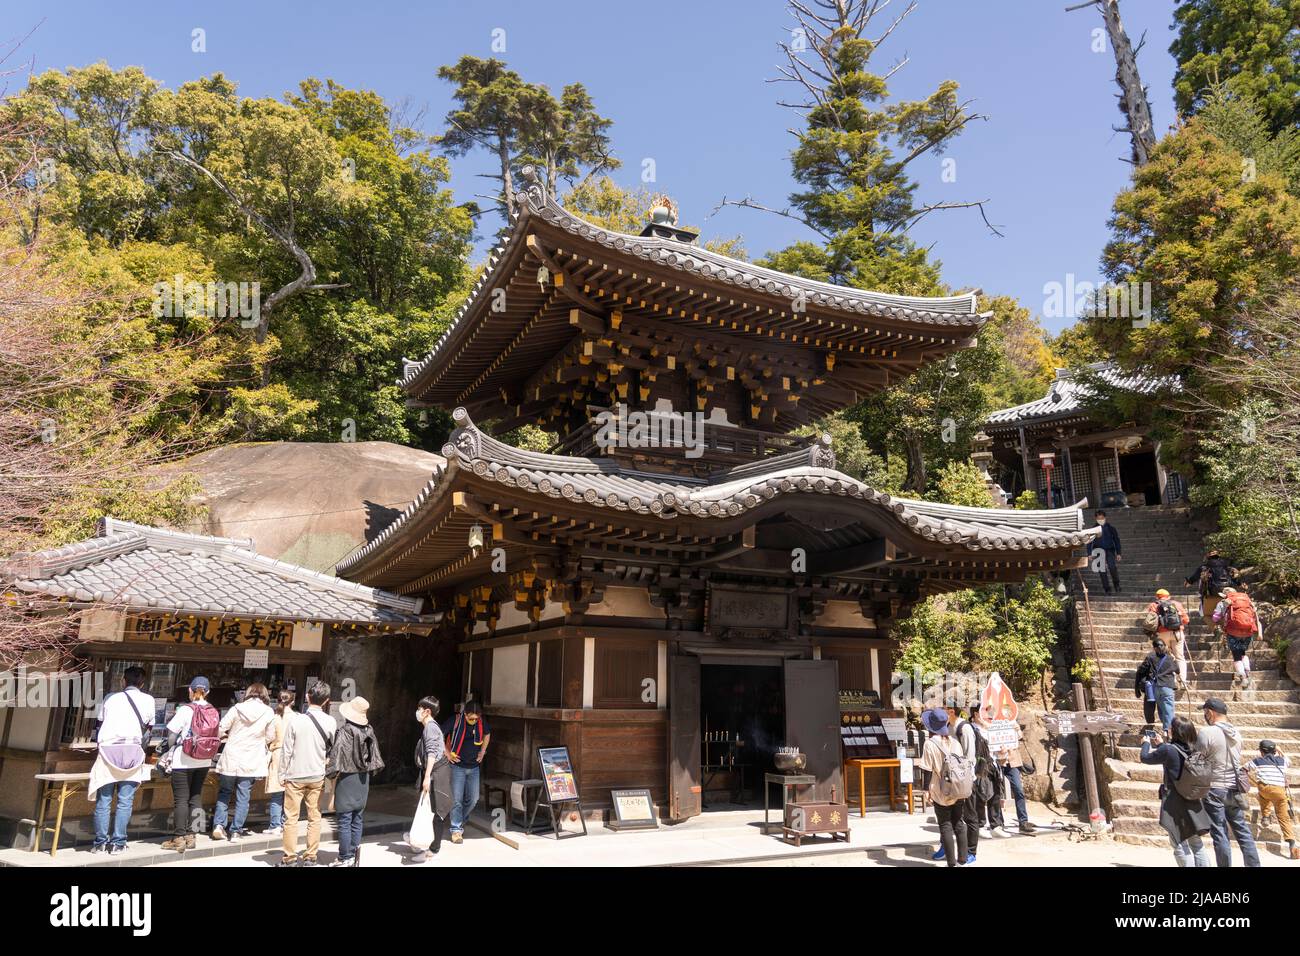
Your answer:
<point x="307" y="503"/>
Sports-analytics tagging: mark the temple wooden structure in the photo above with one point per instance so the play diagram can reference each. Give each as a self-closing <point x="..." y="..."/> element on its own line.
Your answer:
<point x="664" y="595"/>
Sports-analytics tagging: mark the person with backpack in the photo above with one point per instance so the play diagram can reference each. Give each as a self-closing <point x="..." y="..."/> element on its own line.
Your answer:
<point x="307" y="741"/>
<point x="1109" y="543"/>
<point x="976" y="748"/>
<point x="274" y="786"/>
<point x="247" y="728"/>
<point x="434" y="773"/>
<point x="193" y="736"/>
<point x="125" y="720"/>
<point x="952" y="778"/>
<point x="1157" y="677"/>
<point x="1166" y="618"/>
<point x="1268" y="773"/>
<point x="467" y="745"/>
<point x="1226" y="801"/>
<point x="1214" y="575"/>
<point x="1188" y="774"/>
<point x="352" y="759"/>
<point x="1236" y="614"/>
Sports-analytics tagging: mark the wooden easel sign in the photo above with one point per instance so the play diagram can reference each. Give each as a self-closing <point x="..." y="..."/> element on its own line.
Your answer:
<point x="561" y="785"/>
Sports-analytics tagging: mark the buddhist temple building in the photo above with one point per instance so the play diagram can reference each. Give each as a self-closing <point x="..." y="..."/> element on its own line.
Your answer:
<point x="680" y="571"/>
<point x="1063" y="439"/>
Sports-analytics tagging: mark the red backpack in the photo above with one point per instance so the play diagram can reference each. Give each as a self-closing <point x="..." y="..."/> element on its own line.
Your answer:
<point x="203" y="741"/>
<point x="1240" y="620"/>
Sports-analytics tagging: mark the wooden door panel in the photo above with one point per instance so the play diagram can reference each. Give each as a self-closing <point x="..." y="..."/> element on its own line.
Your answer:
<point x="812" y="720"/>
<point x="684" y="793"/>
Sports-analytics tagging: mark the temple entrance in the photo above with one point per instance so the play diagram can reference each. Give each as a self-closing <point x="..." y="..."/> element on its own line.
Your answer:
<point x="742" y="723"/>
<point x="727" y="715"/>
<point x="1138" y="475"/>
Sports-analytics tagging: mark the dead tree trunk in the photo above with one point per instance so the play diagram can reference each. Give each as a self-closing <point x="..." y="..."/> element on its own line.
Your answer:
<point x="1133" y="102"/>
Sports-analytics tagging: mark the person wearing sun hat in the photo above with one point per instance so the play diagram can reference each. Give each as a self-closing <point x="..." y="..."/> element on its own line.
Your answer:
<point x="1241" y="624"/>
<point x="1161" y="613"/>
<point x="949" y="814"/>
<point x="352" y="759"/>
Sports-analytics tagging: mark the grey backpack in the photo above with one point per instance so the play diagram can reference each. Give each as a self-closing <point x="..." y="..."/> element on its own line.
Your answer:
<point x="956" y="781"/>
<point x="1194" y="783"/>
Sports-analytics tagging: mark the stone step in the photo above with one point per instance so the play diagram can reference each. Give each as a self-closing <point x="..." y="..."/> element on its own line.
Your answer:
<point x="1243" y="716"/>
<point x="1130" y="759"/>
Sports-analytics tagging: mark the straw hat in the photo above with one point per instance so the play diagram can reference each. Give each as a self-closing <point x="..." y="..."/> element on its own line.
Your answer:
<point x="355" y="710"/>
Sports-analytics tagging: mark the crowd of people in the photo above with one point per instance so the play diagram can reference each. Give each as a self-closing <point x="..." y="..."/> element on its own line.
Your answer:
<point x="299" y="755"/>
<point x="967" y="783"/>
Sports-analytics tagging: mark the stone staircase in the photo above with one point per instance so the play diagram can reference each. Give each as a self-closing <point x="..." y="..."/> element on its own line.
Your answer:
<point x="1161" y="547"/>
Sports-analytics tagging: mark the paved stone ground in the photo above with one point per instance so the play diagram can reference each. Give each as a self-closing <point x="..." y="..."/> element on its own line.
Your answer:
<point x="734" y="838"/>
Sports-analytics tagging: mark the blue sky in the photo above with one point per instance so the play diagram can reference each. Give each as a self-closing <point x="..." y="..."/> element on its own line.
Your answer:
<point x="684" y="82"/>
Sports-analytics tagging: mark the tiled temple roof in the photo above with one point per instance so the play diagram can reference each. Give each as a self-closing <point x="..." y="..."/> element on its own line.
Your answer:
<point x="601" y="483"/>
<point x="923" y="313"/>
<point x="142" y="568"/>
<point x="1070" y="393"/>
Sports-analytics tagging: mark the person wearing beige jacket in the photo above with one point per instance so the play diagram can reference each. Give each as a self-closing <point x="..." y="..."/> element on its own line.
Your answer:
<point x="274" y="786"/>
<point x="247" y="729"/>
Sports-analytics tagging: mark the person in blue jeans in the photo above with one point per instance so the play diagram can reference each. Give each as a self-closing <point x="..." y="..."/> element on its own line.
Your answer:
<point x="467" y="745"/>
<point x="1160" y="672"/>
<point x="120" y="766"/>
<point x="1226" y="803"/>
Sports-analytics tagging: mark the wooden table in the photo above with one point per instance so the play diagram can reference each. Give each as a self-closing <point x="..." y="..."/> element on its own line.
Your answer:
<point x="863" y="765"/>
<point x="68" y="784"/>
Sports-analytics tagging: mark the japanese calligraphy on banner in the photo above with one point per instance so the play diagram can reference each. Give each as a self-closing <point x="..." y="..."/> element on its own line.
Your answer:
<point x="211" y="632"/>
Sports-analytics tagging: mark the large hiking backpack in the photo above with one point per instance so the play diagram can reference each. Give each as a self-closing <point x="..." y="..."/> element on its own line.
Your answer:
<point x="1167" y="614"/>
<point x="203" y="740"/>
<point x="1194" y="783"/>
<point x="1240" y="620"/>
<point x="956" y="781"/>
<point x="986" y="768"/>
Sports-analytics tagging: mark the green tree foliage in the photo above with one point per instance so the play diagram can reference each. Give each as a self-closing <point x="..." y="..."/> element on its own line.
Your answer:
<point x="1211" y="246"/>
<point x="853" y="155"/>
<point x="1008" y="629"/>
<point x="354" y="186"/>
<point x="1249" y="466"/>
<point x="1240" y="124"/>
<point x="1256" y="43"/>
<point x="960" y="483"/>
<point x="519" y="123"/>
<point x="854" y="456"/>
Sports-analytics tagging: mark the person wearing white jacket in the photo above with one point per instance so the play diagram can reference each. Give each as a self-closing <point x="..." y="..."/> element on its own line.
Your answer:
<point x="247" y="728"/>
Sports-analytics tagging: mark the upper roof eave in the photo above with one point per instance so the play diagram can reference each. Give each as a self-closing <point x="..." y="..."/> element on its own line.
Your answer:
<point x="922" y="312"/>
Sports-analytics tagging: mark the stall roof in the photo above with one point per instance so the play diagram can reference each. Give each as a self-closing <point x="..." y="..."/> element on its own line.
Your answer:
<point x="1069" y="393"/>
<point x="142" y="568"/>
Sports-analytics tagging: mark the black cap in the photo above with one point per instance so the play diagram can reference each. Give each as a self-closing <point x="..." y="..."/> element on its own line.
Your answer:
<point x="1216" y="705"/>
<point x="1267" y="747"/>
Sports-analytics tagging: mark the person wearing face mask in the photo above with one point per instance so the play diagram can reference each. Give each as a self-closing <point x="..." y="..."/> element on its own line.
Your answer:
<point x="1226" y="801"/>
<point x="434" y="772"/>
<point x="1161" y="671"/>
<point x="1109" y="543"/>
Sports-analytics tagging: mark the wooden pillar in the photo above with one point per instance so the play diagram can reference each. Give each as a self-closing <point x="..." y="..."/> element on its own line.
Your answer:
<point x="1024" y="460"/>
<point x="1069" y="475"/>
<point x="1119" y="478"/>
<point x="1095" y="472"/>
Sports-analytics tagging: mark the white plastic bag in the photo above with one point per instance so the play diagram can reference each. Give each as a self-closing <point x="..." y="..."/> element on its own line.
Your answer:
<point x="421" y="834"/>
